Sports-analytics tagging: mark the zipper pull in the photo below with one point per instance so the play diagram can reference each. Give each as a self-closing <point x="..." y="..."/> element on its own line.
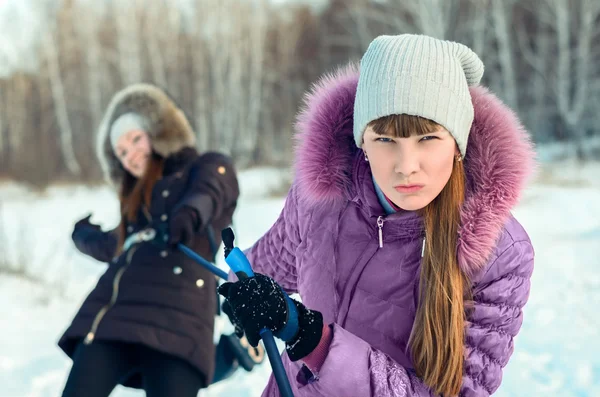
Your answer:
<point x="423" y="248"/>
<point x="380" y="230"/>
<point x="89" y="338"/>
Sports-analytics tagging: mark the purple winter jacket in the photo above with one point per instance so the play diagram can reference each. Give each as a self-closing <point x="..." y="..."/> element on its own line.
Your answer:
<point x="325" y="247"/>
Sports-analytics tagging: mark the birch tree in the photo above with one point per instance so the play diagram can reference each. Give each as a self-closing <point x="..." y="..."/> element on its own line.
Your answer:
<point x="126" y="16"/>
<point x="574" y="28"/>
<point x="60" y="104"/>
<point x="501" y="11"/>
<point x="87" y="27"/>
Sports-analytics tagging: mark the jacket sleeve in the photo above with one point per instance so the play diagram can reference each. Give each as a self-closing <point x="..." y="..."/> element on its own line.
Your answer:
<point x="100" y="245"/>
<point x="274" y="254"/>
<point x="212" y="187"/>
<point x="496" y="319"/>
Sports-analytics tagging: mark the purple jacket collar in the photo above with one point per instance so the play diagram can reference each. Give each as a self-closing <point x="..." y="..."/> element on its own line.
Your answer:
<point x="499" y="161"/>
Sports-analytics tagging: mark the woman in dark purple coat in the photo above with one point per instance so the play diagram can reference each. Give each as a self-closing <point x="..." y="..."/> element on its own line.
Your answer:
<point x="149" y="321"/>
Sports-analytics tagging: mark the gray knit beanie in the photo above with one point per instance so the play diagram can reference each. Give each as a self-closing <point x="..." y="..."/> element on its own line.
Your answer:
<point x="420" y="76"/>
<point x="125" y="123"/>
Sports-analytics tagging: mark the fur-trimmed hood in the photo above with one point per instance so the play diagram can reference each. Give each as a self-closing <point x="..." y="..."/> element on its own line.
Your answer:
<point x="499" y="160"/>
<point x="169" y="131"/>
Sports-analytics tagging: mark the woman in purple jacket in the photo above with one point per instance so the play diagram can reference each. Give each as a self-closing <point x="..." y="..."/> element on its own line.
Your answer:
<point x="397" y="232"/>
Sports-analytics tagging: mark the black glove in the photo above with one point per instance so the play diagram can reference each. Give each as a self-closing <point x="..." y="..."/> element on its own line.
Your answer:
<point x="85" y="223"/>
<point x="239" y="330"/>
<point x="82" y="231"/>
<point x="83" y="228"/>
<point x="259" y="302"/>
<point x="183" y="225"/>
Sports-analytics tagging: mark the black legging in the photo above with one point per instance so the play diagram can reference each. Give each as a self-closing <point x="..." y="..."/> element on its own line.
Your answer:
<point x="99" y="367"/>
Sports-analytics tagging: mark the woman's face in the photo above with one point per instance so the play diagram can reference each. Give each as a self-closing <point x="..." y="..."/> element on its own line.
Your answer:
<point x="133" y="149"/>
<point x="411" y="171"/>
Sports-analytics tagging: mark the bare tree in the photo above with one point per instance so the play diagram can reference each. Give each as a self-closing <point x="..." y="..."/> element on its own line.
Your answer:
<point x="126" y="14"/>
<point x="574" y="26"/>
<point x="248" y="131"/>
<point x="60" y="105"/>
<point x="160" y="31"/>
<point x="3" y="125"/>
<point x="535" y="43"/>
<point x="87" y="26"/>
<point x="502" y="19"/>
<point x="474" y="30"/>
<point x="200" y="84"/>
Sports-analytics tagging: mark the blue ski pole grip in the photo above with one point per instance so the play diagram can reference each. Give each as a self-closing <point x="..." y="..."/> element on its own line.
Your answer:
<point x="240" y="265"/>
<point x="290" y="330"/>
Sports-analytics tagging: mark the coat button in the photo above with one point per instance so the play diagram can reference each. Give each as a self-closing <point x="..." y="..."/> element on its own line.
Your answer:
<point x="166" y="237"/>
<point x="200" y="283"/>
<point x="177" y="270"/>
<point x="165" y="193"/>
<point x="221" y="170"/>
<point x="164" y="217"/>
<point x="164" y="254"/>
<point x="129" y="229"/>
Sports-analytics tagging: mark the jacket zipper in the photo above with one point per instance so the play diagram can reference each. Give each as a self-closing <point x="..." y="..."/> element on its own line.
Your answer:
<point x="89" y="338"/>
<point x="380" y="234"/>
<point x="380" y="230"/>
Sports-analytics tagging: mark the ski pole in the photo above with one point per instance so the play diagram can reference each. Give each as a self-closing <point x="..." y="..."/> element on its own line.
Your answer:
<point x="212" y="268"/>
<point x="240" y="265"/>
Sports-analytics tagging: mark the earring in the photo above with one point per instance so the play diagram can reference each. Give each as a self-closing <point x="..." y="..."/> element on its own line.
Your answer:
<point x="366" y="158"/>
<point x="459" y="157"/>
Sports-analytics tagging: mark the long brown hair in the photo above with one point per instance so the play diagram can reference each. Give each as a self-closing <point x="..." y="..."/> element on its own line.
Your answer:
<point x="136" y="193"/>
<point x="437" y="338"/>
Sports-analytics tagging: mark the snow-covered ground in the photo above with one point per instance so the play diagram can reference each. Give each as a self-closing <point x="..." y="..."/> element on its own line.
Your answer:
<point x="557" y="352"/>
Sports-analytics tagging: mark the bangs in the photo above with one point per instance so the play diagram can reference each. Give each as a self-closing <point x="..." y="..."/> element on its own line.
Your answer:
<point x="403" y="125"/>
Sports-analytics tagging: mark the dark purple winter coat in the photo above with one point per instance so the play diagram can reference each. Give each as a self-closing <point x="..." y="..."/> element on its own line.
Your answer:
<point x="150" y="294"/>
<point x="325" y="246"/>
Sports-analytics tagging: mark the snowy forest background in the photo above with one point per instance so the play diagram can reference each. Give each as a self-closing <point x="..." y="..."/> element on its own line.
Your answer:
<point x="239" y="68"/>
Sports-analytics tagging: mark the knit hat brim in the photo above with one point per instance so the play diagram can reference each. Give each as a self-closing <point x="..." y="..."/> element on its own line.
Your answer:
<point x="126" y="123"/>
<point x="420" y="76"/>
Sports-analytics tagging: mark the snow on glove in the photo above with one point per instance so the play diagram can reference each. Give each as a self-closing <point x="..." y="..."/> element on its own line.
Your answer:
<point x="259" y="302"/>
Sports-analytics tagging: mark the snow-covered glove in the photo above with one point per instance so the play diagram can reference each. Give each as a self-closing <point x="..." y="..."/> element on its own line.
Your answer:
<point x="259" y="302"/>
<point x="183" y="225"/>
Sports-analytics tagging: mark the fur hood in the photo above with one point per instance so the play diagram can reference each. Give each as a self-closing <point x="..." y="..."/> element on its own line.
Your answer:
<point x="500" y="159"/>
<point x="170" y="130"/>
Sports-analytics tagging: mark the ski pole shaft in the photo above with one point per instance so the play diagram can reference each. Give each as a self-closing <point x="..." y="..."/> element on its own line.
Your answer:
<point x="240" y="265"/>
<point x="203" y="262"/>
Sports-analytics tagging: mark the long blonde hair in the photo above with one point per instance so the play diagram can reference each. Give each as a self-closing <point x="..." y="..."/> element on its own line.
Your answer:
<point x="437" y="338"/>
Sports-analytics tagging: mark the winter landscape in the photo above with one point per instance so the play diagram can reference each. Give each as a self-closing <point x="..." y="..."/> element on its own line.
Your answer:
<point x="239" y="69"/>
<point x="556" y="354"/>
